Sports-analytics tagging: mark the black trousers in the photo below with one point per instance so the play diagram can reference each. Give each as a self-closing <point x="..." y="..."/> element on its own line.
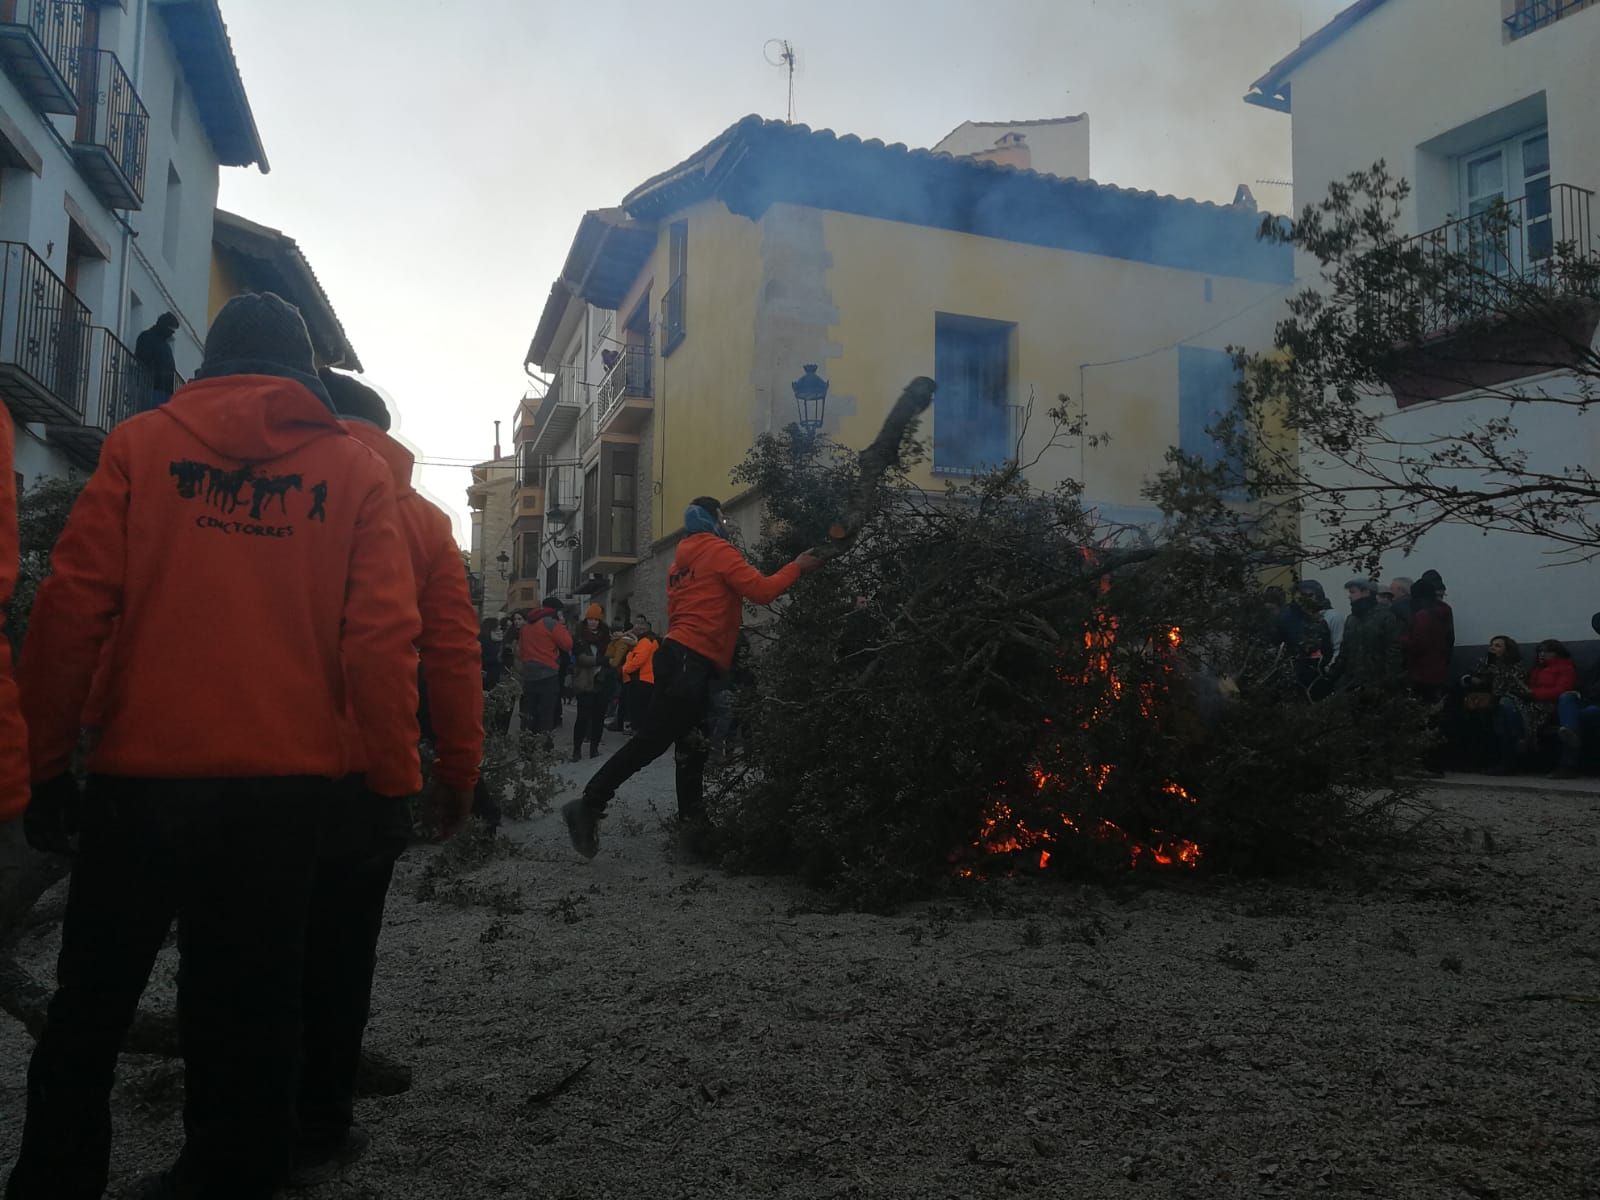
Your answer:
<point x="541" y="704"/>
<point x="363" y="836"/>
<point x="589" y="723"/>
<point x="233" y="861"/>
<point x="679" y="703"/>
<point x="638" y="702"/>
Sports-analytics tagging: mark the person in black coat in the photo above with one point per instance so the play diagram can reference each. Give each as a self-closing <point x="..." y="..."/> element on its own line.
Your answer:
<point x="153" y="351"/>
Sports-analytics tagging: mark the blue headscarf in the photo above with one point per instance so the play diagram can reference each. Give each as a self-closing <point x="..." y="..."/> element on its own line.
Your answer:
<point x="699" y="520"/>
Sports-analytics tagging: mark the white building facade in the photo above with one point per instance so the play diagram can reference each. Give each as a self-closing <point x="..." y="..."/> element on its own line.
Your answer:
<point x="1475" y="102"/>
<point x="115" y="119"/>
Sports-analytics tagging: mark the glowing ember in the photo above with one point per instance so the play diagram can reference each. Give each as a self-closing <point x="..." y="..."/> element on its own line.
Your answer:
<point x="1002" y="834"/>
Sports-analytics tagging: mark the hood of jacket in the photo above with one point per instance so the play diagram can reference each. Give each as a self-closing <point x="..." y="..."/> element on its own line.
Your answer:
<point x="400" y="461"/>
<point x="540" y="614"/>
<point x="250" y="418"/>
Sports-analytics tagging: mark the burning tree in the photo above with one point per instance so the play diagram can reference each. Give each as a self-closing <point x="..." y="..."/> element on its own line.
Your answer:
<point x="993" y="680"/>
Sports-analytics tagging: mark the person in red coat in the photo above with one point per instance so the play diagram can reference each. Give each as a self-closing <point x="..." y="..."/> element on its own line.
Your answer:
<point x="1428" y="642"/>
<point x="1554" y="675"/>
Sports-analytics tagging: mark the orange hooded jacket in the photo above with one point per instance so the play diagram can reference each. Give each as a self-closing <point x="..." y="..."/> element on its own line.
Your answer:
<point x="238" y="559"/>
<point x="709" y="578"/>
<point x="451" y="656"/>
<point x="641" y="659"/>
<point x="13" y="733"/>
<point x="543" y="640"/>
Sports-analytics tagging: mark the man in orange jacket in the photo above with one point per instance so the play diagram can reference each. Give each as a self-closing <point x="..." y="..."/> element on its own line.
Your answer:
<point x="236" y="564"/>
<point x="367" y="832"/>
<point x="13" y="733"/>
<point x="706" y="586"/>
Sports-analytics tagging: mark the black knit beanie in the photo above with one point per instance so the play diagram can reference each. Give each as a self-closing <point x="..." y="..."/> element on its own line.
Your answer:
<point x="352" y="398"/>
<point x="258" y="328"/>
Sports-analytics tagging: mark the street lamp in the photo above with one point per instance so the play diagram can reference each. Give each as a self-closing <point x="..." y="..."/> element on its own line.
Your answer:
<point x="811" y="399"/>
<point x="504" y="560"/>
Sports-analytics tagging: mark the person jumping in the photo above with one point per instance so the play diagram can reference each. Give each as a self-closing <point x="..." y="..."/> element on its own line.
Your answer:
<point x="708" y="580"/>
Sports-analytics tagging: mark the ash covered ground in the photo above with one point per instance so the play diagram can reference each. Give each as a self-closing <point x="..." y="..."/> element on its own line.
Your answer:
<point x="1425" y="1026"/>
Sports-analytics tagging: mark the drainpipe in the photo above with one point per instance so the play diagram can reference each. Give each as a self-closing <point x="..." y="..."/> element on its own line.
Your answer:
<point x="127" y="229"/>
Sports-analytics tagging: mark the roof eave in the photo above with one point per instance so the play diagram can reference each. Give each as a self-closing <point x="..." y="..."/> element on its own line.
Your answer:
<point x="1272" y="89"/>
<point x="274" y="246"/>
<point x="229" y="121"/>
<point x="544" y="336"/>
<point x="1276" y="100"/>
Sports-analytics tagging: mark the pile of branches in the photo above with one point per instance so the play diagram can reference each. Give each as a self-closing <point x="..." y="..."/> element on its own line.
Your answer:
<point x="992" y="679"/>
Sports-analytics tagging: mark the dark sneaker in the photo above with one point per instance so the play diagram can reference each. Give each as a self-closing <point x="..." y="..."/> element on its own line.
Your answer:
<point x="594" y="751"/>
<point x="313" y="1169"/>
<point x="583" y="826"/>
<point x="577" y="756"/>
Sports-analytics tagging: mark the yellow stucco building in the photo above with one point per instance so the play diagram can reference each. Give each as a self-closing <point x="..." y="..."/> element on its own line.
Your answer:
<point x="247" y="257"/>
<point x="777" y="246"/>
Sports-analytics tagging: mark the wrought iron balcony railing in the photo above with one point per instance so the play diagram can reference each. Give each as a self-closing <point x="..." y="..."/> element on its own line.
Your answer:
<point x="628" y="375"/>
<point x="111" y="142"/>
<point x="1486" y="266"/>
<point x="41" y="46"/>
<point x="1536" y="14"/>
<point x="125" y="382"/>
<point x="562" y="489"/>
<point x="44" y="339"/>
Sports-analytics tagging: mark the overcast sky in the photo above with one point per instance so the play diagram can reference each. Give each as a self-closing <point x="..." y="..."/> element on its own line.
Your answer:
<point x="432" y="157"/>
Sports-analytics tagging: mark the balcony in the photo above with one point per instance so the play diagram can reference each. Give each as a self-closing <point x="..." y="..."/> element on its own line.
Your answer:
<point x="1494" y="297"/>
<point x="110" y="144"/>
<point x="44" y="340"/>
<point x="553" y="420"/>
<point x="120" y="387"/>
<point x="41" y="48"/>
<point x="1530" y="15"/>
<point x="1537" y="247"/>
<point x="622" y="403"/>
<point x="562" y="491"/>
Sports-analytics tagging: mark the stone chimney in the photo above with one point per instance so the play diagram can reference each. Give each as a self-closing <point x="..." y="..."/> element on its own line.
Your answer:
<point x="1010" y="150"/>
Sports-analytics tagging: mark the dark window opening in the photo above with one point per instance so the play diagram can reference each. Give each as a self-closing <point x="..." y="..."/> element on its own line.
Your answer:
<point x="1208" y="383"/>
<point x="973" y="421"/>
<point x="674" y="326"/>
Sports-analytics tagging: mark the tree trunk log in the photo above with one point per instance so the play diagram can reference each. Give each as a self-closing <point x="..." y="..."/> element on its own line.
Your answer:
<point x="877" y="459"/>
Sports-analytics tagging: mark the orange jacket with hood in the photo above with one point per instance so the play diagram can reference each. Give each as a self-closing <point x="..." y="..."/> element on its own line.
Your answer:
<point x="709" y="578"/>
<point x="451" y="656"/>
<point x="641" y="660"/>
<point x="238" y="560"/>
<point x="13" y="733"/>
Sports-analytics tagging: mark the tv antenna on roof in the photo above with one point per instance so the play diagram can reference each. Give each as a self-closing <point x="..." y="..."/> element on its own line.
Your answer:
<point x="784" y="58"/>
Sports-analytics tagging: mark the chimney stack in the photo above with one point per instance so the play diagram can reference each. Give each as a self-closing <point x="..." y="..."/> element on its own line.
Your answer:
<point x="497" y="441"/>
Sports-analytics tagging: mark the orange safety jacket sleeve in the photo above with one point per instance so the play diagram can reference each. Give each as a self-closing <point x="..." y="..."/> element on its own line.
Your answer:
<point x="452" y="666"/>
<point x="73" y="614"/>
<point x="378" y="646"/>
<point x="13" y="732"/>
<point x="750" y="583"/>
